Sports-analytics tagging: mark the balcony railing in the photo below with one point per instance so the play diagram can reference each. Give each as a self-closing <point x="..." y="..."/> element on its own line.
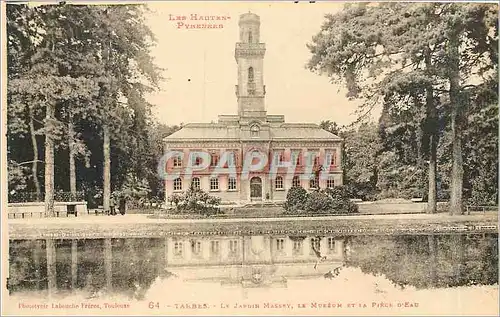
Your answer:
<point x="252" y="46"/>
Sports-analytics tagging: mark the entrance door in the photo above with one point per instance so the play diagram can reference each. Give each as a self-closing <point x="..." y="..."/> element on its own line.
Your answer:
<point x="256" y="188"/>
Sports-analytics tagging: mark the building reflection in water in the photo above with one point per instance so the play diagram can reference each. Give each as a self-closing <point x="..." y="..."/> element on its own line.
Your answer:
<point x="252" y="261"/>
<point x="130" y="266"/>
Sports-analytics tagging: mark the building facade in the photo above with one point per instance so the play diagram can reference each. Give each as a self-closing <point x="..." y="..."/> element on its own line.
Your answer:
<point x="290" y="154"/>
<point x="251" y="261"/>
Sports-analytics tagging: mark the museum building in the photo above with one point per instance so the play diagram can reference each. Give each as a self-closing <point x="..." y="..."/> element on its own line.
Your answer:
<point x="252" y="130"/>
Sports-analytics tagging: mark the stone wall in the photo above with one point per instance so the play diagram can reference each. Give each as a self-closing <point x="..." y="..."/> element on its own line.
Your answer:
<point x="37" y="209"/>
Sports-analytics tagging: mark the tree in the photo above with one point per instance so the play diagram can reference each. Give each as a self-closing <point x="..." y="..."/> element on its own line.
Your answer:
<point x="330" y="126"/>
<point x="412" y="54"/>
<point x="361" y="148"/>
<point x="43" y="79"/>
<point x="20" y="50"/>
<point x="69" y="89"/>
<point x="124" y="41"/>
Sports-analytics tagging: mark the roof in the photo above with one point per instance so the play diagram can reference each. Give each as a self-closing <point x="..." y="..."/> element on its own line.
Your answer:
<point x="288" y="131"/>
<point x="302" y="131"/>
<point x="206" y="131"/>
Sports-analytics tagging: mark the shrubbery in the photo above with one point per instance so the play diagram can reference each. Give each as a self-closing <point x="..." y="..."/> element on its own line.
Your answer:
<point x="329" y="200"/>
<point x="195" y="201"/>
<point x="295" y="199"/>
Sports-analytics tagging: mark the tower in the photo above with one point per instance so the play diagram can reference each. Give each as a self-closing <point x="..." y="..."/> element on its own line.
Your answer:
<point x="249" y="54"/>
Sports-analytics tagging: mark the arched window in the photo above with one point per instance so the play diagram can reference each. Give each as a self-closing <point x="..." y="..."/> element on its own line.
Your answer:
<point x="177" y="184"/>
<point x="316" y="161"/>
<point x="250" y="75"/>
<point x="254" y="130"/>
<point x="296" y="181"/>
<point x="177" y="161"/>
<point x="278" y="184"/>
<point x="250" y="38"/>
<point x="195" y="183"/>
<point x="314" y="182"/>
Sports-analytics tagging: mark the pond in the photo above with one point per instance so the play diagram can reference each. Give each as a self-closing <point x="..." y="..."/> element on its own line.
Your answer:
<point x="385" y="273"/>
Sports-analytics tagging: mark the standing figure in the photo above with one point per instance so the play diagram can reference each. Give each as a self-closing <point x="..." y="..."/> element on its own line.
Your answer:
<point x="122" y="205"/>
<point x="112" y="205"/>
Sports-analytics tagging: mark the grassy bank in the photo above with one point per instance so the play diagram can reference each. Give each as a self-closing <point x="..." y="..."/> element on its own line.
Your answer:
<point x="143" y="226"/>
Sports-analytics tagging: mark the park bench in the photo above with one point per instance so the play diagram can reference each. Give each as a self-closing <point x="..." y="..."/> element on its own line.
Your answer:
<point x="98" y="210"/>
<point x="71" y="210"/>
<point x="483" y="209"/>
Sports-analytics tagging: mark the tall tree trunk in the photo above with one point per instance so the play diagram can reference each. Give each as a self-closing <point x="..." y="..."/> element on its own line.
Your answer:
<point x="458" y="245"/>
<point x="49" y="160"/>
<point x="432" y="240"/>
<point x="457" y="172"/>
<point x="34" y="166"/>
<point x="433" y="141"/>
<point x="71" y="148"/>
<point x="432" y="131"/>
<point x="107" y="169"/>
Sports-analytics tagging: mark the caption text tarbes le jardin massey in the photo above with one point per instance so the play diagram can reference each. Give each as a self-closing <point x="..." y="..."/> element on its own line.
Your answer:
<point x="198" y="21"/>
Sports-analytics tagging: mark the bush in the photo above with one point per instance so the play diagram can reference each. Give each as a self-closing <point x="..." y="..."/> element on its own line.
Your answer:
<point x="196" y="201"/>
<point x="328" y="200"/>
<point x="318" y="201"/>
<point x="295" y="199"/>
<point x="340" y="200"/>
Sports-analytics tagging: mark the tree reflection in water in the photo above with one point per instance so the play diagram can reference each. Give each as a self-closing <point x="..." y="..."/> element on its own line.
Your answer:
<point x="427" y="261"/>
<point x="130" y="266"/>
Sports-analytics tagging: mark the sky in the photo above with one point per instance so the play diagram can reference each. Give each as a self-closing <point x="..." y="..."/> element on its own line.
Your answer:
<point x="201" y="72"/>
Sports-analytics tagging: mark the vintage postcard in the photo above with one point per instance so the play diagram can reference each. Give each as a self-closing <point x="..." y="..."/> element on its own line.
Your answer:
<point x="249" y="158"/>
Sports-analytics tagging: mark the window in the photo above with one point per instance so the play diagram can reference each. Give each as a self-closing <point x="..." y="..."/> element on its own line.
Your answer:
<point x="296" y="157"/>
<point x="316" y="161"/>
<point x="250" y="75"/>
<point x="312" y="157"/>
<point x="178" y="248"/>
<point x="214" y="159"/>
<point x="250" y="38"/>
<point x="279" y="156"/>
<point x="331" y="157"/>
<point x="231" y="183"/>
<point x="314" y="182"/>
<point x="315" y="245"/>
<point x="296" y="181"/>
<point x="177" y="161"/>
<point x="196" y="247"/>
<point x="195" y="183"/>
<point x="231" y="159"/>
<point x="331" y="244"/>
<point x="278" y="182"/>
<point x="330" y="182"/>
<point x="280" y="244"/>
<point x="297" y="247"/>
<point x="233" y="246"/>
<point x="214" y="247"/>
<point x="177" y="184"/>
<point x="251" y="84"/>
<point x="254" y="130"/>
<point x="214" y="184"/>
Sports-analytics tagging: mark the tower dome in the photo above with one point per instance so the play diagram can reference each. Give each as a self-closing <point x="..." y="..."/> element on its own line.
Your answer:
<point x="249" y="18"/>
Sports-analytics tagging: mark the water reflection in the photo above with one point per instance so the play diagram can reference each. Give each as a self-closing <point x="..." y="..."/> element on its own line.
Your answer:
<point x="130" y="266"/>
